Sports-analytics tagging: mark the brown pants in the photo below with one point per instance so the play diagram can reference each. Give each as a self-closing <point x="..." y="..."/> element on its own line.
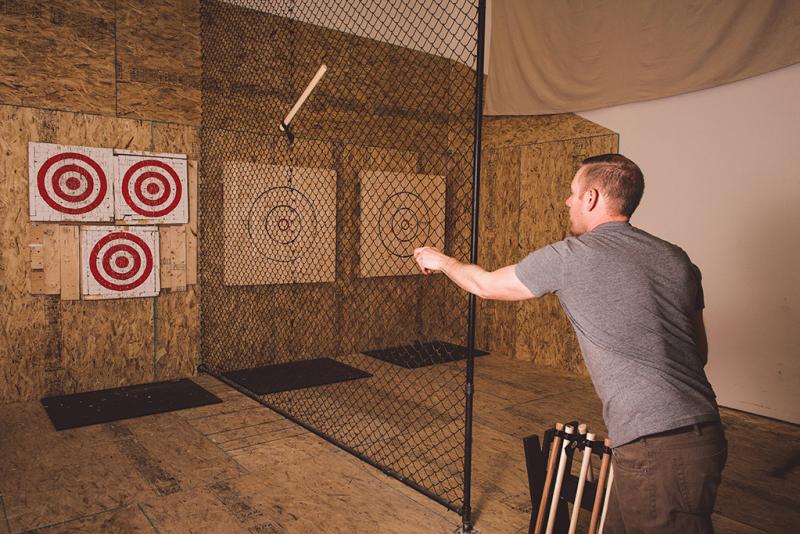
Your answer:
<point x="667" y="482"/>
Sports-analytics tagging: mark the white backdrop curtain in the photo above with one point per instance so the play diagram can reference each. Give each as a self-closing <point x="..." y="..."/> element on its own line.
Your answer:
<point x="553" y="56"/>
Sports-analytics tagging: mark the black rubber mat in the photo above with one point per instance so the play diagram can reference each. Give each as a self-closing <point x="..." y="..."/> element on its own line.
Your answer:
<point x="422" y="354"/>
<point x="295" y="375"/>
<point x="107" y="405"/>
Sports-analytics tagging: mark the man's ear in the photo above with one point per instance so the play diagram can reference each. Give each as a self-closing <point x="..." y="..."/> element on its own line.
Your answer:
<point x="592" y="197"/>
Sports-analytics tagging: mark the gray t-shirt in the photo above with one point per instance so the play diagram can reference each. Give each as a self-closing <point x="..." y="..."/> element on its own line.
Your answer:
<point x="632" y="299"/>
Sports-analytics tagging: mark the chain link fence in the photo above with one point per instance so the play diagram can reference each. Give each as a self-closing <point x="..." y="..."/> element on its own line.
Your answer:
<point x="310" y="298"/>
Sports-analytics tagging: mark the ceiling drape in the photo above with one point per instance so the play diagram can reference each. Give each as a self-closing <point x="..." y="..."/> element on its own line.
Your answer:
<point x="553" y="56"/>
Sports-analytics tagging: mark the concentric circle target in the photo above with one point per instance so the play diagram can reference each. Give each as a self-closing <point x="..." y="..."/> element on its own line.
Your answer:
<point x="72" y="183"/>
<point x="151" y="188"/>
<point x="404" y="223"/>
<point x="282" y="224"/>
<point x="121" y="261"/>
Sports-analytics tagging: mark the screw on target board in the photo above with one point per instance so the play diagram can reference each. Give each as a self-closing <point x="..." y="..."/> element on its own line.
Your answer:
<point x="284" y="126"/>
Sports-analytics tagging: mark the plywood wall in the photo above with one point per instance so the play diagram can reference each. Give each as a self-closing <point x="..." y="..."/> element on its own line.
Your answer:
<point x="528" y="165"/>
<point x="114" y="60"/>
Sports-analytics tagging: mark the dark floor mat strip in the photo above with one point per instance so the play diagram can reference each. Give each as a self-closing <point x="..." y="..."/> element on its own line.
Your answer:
<point x="105" y="406"/>
<point x="295" y="375"/>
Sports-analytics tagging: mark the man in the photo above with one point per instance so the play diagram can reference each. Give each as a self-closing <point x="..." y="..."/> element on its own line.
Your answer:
<point x="635" y="302"/>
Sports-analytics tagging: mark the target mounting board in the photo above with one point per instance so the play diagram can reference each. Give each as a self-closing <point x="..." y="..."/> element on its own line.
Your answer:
<point x="70" y="183"/>
<point x="280" y="224"/>
<point x="399" y="212"/>
<point x="150" y="189"/>
<point x="119" y="262"/>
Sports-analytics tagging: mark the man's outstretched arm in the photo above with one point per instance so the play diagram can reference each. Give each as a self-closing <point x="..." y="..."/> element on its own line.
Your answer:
<point x="501" y="284"/>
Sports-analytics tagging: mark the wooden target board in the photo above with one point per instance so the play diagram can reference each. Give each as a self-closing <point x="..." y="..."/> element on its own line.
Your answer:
<point x="399" y="212"/>
<point x="70" y="183"/>
<point x="280" y="224"/>
<point x="150" y="189"/>
<point x="119" y="262"/>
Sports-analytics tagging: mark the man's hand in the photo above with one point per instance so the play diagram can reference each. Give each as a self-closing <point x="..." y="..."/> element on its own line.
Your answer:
<point x="430" y="259"/>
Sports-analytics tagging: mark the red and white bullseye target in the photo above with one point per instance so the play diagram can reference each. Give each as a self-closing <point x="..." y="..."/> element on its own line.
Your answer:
<point x="151" y="190"/>
<point x="70" y="183"/>
<point x="120" y="262"/>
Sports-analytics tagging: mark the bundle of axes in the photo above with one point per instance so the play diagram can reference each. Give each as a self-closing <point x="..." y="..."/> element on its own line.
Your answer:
<point x="552" y="484"/>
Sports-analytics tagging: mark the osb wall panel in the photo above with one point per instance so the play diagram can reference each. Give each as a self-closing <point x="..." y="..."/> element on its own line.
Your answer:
<point x="309" y="320"/>
<point x="49" y="346"/>
<point x="25" y="340"/>
<point x="528" y="164"/>
<point x="498" y="232"/>
<point x="177" y="314"/>
<point x="357" y="91"/>
<point x="104" y="344"/>
<point x="501" y="132"/>
<point x="158" y="60"/>
<point x="135" y="58"/>
<point x="58" y="54"/>
<point x="239" y="35"/>
<point x="360" y="93"/>
<point x="440" y="321"/>
<point x="256" y="44"/>
<point x="544" y="333"/>
<point x="129" y="58"/>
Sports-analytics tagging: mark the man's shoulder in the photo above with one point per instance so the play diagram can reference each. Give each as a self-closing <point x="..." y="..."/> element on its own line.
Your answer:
<point x="635" y="237"/>
<point x="568" y="246"/>
<point x="667" y="247"/>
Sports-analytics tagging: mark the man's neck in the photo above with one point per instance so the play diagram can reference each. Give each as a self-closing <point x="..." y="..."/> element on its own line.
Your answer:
<point x="608" y="219"/>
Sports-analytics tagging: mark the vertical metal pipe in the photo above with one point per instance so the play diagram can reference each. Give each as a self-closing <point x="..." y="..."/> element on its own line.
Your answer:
<point x="466" y="512"/>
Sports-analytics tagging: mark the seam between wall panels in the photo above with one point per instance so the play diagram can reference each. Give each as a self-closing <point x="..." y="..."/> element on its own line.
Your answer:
<point x="95" y="114"/>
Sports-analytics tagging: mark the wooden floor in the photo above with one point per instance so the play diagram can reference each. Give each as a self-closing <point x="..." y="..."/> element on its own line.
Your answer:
<point x="239" y="467"/>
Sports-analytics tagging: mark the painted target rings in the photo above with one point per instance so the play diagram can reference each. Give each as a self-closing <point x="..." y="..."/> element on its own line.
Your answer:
<point x="121" y="261"/>
<point x="151" y="188"/>
<point x="282" y="224"/>
<point x="404" y="222"/>
<point x="72" y="183"/>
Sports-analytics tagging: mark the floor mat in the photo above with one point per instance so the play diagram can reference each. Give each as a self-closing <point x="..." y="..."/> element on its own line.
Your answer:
<point x="295" y="375"/>
<point x="107" y="405"/>
<point x="422" y="354"/>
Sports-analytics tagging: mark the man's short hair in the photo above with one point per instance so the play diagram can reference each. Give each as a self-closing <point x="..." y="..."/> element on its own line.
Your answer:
<point x="620" y="179"/>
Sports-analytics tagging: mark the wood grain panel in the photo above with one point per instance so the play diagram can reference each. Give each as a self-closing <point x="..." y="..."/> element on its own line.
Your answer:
<point x="58" y="54"/>
<point x="499" y="241"/>
<point x="502" y="132"/>
<point x="158" y="60"/>
<point x="177" y="340"/>
<point x="24" y="333"/>
<point x="544" y="333"/>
